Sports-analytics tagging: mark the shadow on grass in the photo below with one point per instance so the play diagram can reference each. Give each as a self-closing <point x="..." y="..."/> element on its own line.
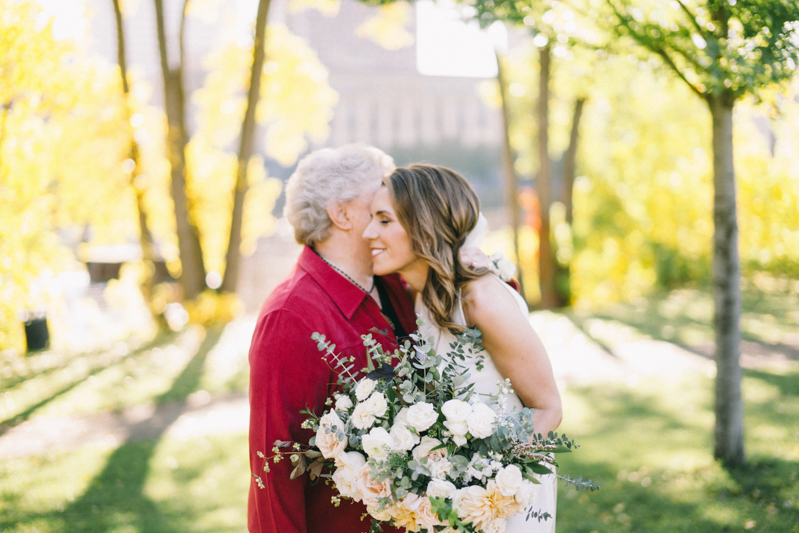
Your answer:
<point x="97" y="367"/>
<point x="115" y="499"/>
<point x="652" y="459"/>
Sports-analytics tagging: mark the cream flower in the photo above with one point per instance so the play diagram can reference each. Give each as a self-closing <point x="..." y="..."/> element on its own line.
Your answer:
<point x="438" y="488"/>
<point x="343" y="402"/>
<point x="474" y="506"/>
<point x="365" y="388"/>
<point x="376" y="404"/>
<point x="504" y="506"/>
<point x="404" y="516"/>
<point x="347" y="465"/>
<point x="404" y="439"/>
<point x="497" y="526"/>
<point x="326" y="436"/>
<point x="384" y="515"/>
<point x="439" y="468"/>
<point x="422" y="415"/>
<point x="425" y="449"/>
<point x="361" y="418"/>
<point x="481" y="421"/>
<point x="509" y="479"/>
<point x="456" y="410"/>
<point x="377" y="443"/>
<point x="527" y="493"/>
<point x="369" y="489"/>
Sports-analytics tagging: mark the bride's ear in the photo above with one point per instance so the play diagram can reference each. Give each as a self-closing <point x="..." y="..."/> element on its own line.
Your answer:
<point x="337" y="211"/>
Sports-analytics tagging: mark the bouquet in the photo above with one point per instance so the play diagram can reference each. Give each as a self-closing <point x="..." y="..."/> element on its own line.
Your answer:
<point x="410" y="438"/>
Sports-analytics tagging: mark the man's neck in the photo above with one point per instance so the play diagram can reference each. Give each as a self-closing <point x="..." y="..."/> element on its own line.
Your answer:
<point x="344" y="256"/>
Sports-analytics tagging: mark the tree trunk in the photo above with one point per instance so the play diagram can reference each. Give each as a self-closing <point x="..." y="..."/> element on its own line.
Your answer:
<point x="192" y="277"/>
<point x="511" y="185"/>
<point x="233" y="256"/>
<point x="570" y="160"/>
<point x="562" y="272"/>
<point x="546" y="259"/>
<point x="729" y="438"/>
<point x="145" y="236"/>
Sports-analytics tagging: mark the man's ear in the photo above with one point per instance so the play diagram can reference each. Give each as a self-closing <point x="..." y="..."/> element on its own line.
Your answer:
<point x="337" y="211"/>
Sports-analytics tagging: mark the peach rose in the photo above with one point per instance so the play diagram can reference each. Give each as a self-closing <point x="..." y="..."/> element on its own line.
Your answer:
<point x="370" y="490"/>
<point x="347" y="465"/>
<point x="326" y="439"/>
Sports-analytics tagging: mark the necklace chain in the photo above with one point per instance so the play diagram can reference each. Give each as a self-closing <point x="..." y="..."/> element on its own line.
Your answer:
<point x="337" y="269"/>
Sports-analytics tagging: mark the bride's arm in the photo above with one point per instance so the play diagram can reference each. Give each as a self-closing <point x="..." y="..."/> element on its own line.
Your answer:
<point x="515" y="348"/>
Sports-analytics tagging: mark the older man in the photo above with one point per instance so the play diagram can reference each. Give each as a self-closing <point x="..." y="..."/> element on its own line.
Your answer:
<point x="331" y="290"/>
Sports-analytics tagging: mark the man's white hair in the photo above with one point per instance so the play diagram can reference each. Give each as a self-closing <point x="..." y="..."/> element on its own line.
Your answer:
<point x="327" y="175"/>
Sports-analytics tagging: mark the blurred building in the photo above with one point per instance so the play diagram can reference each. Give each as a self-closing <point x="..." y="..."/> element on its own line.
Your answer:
<point x="383" y="99"/>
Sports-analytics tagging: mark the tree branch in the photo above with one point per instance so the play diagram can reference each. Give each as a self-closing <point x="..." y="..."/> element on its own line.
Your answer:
<point x="692" y="17"/>
<point x="662" y="53"/>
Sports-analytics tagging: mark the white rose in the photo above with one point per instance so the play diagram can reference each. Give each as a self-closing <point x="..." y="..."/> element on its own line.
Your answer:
<point x="509" y="479"/>
<point x="422" y="415"/>
<point x="458" y="440"/>
<point x="439" y="469"/>
<point x="377" y="443"/>
<point x="326" y="436"/>
<point x="497" y="525"/>
<point x="481" y="421"/>
<point x="404" y="439"/>
<point x="365" y="388"/>
<point x="343" y="402"/>
<point x="347" y="465"/>
<point x="361" y="418"/>
<point x="456" y="410"/>
<point x="402" y="417"/>
<point x="504" y="265"/>
<point x="376" y="404"/>
<point x="459" y="429"/>
<point x="526" y="494"/>
<point x="425" y="447"/>
<point x="439" y="488"/>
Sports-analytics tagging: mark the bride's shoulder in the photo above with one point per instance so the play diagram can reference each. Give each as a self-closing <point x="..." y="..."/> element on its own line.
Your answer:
<point x="486" y="296"/>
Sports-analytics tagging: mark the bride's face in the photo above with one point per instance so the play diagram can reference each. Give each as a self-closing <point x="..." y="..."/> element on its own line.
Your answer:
<point x="390" y="243"/>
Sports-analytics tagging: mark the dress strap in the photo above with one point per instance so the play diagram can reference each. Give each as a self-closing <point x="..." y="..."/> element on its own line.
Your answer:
<point x="458" y="316"/>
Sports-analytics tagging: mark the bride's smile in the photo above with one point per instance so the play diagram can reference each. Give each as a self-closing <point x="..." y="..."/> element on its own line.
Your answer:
<point x="391" y="244"/>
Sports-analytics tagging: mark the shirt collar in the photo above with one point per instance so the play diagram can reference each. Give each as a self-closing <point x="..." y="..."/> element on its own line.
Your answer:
<point x="344" y="294"/>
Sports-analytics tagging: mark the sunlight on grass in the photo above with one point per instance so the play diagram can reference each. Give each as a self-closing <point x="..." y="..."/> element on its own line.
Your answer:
<point x="177" y="486"/>
<point x="650" y="448"/>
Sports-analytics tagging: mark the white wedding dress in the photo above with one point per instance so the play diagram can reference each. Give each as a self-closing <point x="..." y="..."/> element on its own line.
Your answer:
<point x="485" y="382"/>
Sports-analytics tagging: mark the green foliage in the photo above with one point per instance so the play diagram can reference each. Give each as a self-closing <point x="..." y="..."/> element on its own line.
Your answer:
<point x="716" y="46"/>
<point x="62" y="144"/>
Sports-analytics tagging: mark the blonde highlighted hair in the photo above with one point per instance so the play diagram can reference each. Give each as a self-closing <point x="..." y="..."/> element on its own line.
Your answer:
<point x="438" y="208"/>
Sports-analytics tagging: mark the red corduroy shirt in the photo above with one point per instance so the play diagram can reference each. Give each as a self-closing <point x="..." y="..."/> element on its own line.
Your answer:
<point x="287" y="375"/>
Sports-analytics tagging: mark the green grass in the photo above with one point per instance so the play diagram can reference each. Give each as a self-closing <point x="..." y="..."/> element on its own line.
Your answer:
<point x="165" y="486"/>
<point x="650" y="447"/>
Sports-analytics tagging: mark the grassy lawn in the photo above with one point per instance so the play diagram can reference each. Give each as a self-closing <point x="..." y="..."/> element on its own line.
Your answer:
<point x="648" y="445"/>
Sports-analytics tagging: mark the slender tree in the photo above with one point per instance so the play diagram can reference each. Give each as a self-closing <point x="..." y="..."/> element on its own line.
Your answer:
<point x="192" y="277"/>
<point x="233" y="256"/>
<point x="723" y="50"/>
<point x="145" y="236"/>
<point x="511" y="183"/>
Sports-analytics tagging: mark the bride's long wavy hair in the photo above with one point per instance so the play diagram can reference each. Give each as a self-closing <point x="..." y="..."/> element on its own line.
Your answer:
<point x="438" y="208"/>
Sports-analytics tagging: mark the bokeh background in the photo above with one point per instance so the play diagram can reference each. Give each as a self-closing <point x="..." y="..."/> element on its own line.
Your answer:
<point x="124" y="333"/>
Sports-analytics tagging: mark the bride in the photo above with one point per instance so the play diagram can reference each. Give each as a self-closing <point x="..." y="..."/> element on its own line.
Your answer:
<point x="421" y="218"/>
